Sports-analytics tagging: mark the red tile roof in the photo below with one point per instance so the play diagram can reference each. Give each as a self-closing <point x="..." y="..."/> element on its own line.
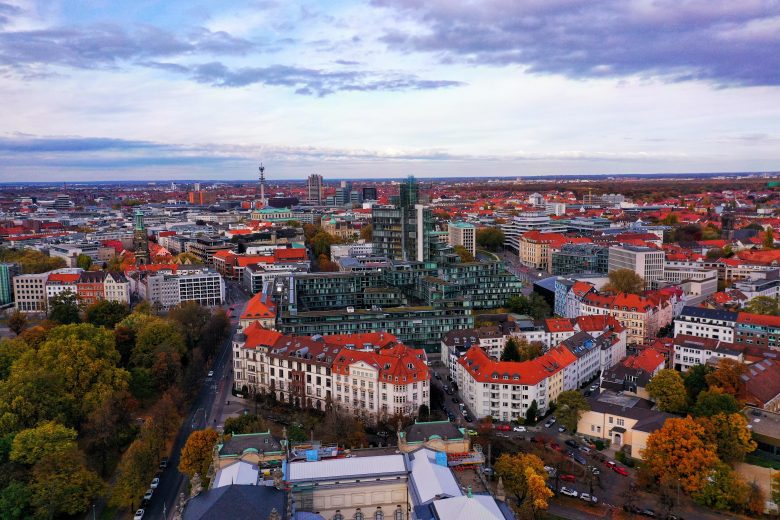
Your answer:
<point x="758" y="319"/>
<point x="486" y="370"/>
<point x="259" y="307"/>
<point x="648" y="360"/>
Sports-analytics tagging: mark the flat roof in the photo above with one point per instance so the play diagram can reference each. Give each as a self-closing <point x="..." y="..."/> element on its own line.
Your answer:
<point x="354" y="467"/>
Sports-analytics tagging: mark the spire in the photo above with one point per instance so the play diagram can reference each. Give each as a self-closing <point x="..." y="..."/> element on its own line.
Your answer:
<point x="262" y="185"/>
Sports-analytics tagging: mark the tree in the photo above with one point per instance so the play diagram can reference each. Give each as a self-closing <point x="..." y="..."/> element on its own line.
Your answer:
<point x="763" y="305"/>
<point x="156" y="335"/>
<point x="490" y="238"/>
<point x="31" y="260"/>
<point x="105" y="313"/>
<point x="321" y="242"/>
<point x="367" y="232"/>
<point x="535" y="306"/>
<point x="48" y="439"/>
<point x="15" y="501"/>
<point x="668" y="391"/>
<point x="769" y="239"/>
<point x="525" y="478"/>
<point x="713" y="403"/>
<point x="63" y="485"/>
<point x="570" y="406"/>
<point x="730" y="435"/>
<point x="245" y="423"/>
<point x="726" y="378"/>
<point x="531" y="413"/>
<point x="197" y="452"/>
<point x="326" y="265"/>
<point x="465" y="254"/>
<point x="17" y="322"/>
<point x="678" y="449"/>
<point x="511" y="351"/>
<point x="625" y="281"/>
<point x="64" y="308"/>
<point x="695" y="380"/>
<point x="107" y="429"/>
<point x="134" y="473"/>
<point x="83" y="261"/>
<point x="192" y="318"/>
<point x="424" y="413"/>
<point x="724" y="490"/>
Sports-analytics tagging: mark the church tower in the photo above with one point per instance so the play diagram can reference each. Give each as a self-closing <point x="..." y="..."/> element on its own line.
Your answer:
<point x="140" y="239"/>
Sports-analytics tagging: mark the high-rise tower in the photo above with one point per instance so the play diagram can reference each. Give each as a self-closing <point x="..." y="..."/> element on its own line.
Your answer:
<point x="263" y="201"/>
<point x="140" y="239"/>
<point x="314" y="189"/>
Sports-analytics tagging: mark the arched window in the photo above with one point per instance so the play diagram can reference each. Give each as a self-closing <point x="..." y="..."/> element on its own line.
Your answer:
<point x="359" y="516"/>
<point x="338" y="516"/>
<point x="399" y="514"/>
<point x="379" y="515"/>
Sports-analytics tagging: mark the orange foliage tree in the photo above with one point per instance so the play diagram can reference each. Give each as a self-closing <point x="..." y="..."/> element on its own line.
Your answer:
<point x="197" y="452"/>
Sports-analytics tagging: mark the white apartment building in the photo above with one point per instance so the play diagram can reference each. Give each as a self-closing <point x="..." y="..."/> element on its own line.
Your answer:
<point x="169" y="288"/>
<point x="528" y="221"/>
<point x="117" y="288"/>
<point x="690" y="351"/>
<point x="462" y="234"/>
<point x="706" y="323"/>
<point x="647" y="262"/>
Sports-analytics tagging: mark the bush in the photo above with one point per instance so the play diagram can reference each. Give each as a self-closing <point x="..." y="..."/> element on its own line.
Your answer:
<point x="600" y="444"/>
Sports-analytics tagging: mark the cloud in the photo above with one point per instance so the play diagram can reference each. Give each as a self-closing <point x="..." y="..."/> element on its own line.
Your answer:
<point x="106" y="45"/>
<point x="728" y="43"/>
<point x="7" y="11"/>
<point x="307" y="81"/>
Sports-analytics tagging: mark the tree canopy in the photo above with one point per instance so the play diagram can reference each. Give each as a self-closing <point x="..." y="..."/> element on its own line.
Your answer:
<point x="668" y="390"/>
<point x="625" y="281"/>
<point x="525" y="478"/>
<point x="197" y="452"/>
<point x="490" y="238"/>
<point x="763" y="305"/>
<point x="570" y="406"/>
<point x="465" y="254"/>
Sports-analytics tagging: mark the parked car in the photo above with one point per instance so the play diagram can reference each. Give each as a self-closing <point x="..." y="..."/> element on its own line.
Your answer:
<point x="148" y="494"/>
<point x="520" y="429"/>
<point x="472" y="433"/>
<point x="585" y="497"/>
<point x="164" y="463"/>
<point x="620" y="471"/>
<point x="561" y="429"/>
<point x="555" y="446"/>
<point x="549" y="423"/>
<point x="569" y="492"/>
<point x="501" y="434"/>
<point x="610" y="463"/>
<point x="647" y="512"/>
<point x="502" y="427"/>
<point x="596" y="471"/>
<point x="211" y="373"/>
<point x="572" y="444"/>
<point x="584" y="449"/>
<point x="155" y="483"/>
<point x="139" y="515"/>
<point x="488" y="471"/>
<point x="579" y="458"/>
<point x="567" y="477"/>
<point x="437" y="376"/>
<point x="466" y="417"/>
<point x="550" y="470"/>
<point x="383" y="433"/>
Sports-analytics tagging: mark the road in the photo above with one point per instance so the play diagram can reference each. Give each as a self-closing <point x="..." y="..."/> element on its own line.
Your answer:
<point x="205" y="410"/>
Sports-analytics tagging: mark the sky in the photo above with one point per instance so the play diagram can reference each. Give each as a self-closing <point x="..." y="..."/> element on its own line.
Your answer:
<point x="169" y="89"/>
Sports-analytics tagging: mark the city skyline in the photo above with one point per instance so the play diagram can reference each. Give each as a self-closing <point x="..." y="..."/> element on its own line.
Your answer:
<point x="385" y="89"/>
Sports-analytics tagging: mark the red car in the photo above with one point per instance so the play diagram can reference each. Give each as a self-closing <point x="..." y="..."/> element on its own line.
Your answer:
<point x="555" y="446"/>
<point x="620" y="470"/>
<point x="567" y="478"/>
<point x="610" y="463"/>
<point x="502" y="427"/>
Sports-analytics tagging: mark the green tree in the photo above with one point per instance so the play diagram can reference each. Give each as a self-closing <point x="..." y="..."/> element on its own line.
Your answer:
<point x="63" y="485"/>
<point x="245" y="423"/>
<point x="105" y="313"/>
<point x="83" y="261"/>
<point x="723" y="490"/>
<point x="668" y="391"/>
<point x="197" y="452"/>
<point x="695" y="380"/>
<point x="31" y="260"/>
<point x="15" y="501"/>
<point x="134" y="473"/>
<point x="321" y="242"/>
<point x="17" y="322"/>
<point x="713" y="403"/>
<point x="729" y="433"/>
<point x="511" y="351"/>
<point x="531" y="413"/>
<point x="154" y="336"/>
<point x="64" y="308"/>
<point x="490" y="238"/>
<point x="424" y="413"/>
<point x="107" y="428"/>
<point x="192" y="317"/>
<point x="763" y="305"/>
<point x="625" y="281"/>
<point x="48" y="439"/>
<point x="570" y="406"/>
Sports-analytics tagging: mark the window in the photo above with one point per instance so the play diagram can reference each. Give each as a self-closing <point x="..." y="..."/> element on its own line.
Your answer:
<point x="359" y="515"/>
<point x="379" y="515"/>
<point x="399" y="514"/>
<point x="338" y="516"/>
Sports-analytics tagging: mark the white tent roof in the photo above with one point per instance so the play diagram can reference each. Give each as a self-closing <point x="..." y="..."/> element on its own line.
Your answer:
<point x="430" y="479"/>
<point x="239" y="472"/>
<point x="476" y="507"/>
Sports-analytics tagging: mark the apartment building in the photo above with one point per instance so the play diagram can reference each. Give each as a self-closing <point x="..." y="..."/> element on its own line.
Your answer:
<point x="647" y="262"/>
<point x="706" y="323"/>
<point x="371" y="375"/>
<point x="168" y="286"/>
<point x="517" y="225"/>
<point x="58" y="283"/>
<point x="643" y="316"/>
<point x="204" y="248"/>
<point x="579" y="258"/>
<point x="691" y="350"/>
<point x="90" y="287"/>
<point x="116" y="288"/>
<point x="505" y="390"/>
<point x="536" y="248"/>
<point x="462" y="234"/>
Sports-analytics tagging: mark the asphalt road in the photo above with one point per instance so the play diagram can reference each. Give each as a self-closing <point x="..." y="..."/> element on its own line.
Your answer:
<point x="205" y="410"/>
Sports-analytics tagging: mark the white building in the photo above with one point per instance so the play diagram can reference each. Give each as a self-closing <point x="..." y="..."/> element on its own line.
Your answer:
<point x="690" y="351"/>
<point x="462" y="234"/>
<point x="30" y="292"/>
<point x="168" y="288"/>
<point x="706" y="323"/>
<point x="647" y="262"/>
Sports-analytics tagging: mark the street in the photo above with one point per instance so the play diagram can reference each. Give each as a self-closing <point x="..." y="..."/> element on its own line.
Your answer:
<point x="205" y="410"/>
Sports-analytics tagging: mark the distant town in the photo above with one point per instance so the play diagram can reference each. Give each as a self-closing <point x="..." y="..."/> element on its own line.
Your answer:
<point x="397" y="349"/>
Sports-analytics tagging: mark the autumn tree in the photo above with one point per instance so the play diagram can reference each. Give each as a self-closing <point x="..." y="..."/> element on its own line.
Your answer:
<point x="156" y="335"/>
<point x="245" y="423"/>
<point x="105" y="313"/>
<point x="107" y="429"/>
<point x="570" y="406"/>
<point x="134" y="473"/>
<point x="321" y="242"/>
<point x="766" y="305"/>
<point x="490" y="238"/>
<point x="367" y="232"/>
<point x="48" y="439"/>
<point x="192" y="318"/>
<point x="668" y="390"/>
<point x="678" y="449"/>
<point x="729" y="434"/>
<point x="197" y="452"/>
<point x="15" y="500"/>
<point x="17" y="322"/>
<point x="464" y="254"/>
<point x="769" y="239"/>
<point x="326" y="265"/>
<point x="525" y="478"/>
<point x="63" y="485"/>
<point x="726" y="377"/>
<point x="625" y="281"/>
<point x="535" y="306"/>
